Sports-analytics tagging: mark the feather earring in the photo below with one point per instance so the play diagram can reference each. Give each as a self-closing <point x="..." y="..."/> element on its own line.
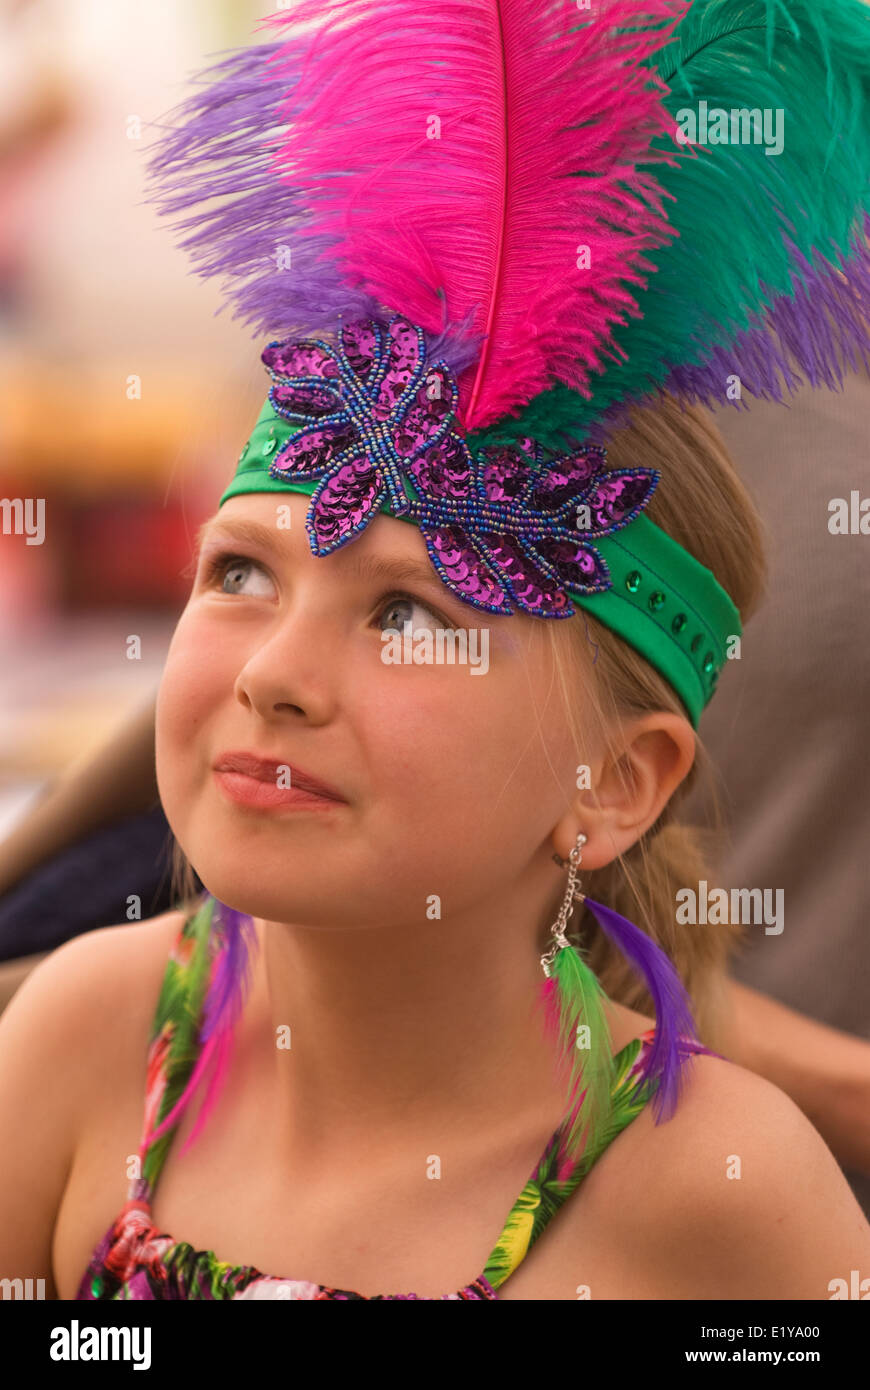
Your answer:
<point x="573" y="1001"/>
<point x="663" y="1065"/>
<point x="572" y="997"/>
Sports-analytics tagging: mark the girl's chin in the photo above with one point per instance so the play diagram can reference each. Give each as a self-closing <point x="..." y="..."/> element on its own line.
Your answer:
<point x="245" y="889"/>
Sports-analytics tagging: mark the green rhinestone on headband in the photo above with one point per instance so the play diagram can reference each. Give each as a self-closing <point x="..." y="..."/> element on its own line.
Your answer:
<point x="366" y="426"/>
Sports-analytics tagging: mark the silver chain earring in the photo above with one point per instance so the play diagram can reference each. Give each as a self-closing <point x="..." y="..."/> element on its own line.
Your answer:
<point x="572" y="896"/>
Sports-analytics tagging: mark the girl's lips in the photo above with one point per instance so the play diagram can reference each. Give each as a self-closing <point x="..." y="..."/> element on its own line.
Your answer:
<point x="273" y="774"/>
<point x="268" y="796"/>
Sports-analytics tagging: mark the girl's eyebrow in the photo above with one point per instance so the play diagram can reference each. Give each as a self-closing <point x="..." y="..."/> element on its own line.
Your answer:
<point x="364" y="567"/>
<point x="253" y="531"/>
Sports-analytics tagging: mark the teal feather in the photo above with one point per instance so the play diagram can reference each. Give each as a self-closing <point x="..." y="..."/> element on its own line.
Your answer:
<point x="750" y="225"/>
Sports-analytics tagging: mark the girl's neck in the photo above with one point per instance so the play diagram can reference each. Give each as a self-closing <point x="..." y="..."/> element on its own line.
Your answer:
<point x="377" y="1036"/>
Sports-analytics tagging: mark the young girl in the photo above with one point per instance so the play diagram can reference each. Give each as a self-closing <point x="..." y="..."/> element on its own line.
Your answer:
<point x="387" y="1123"/>
<point x="415" y="1086"/>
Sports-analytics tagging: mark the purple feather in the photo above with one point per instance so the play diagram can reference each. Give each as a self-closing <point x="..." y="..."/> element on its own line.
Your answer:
<point x="231" y="978"/>
<point x="218" y="149"/>
<point x="823" y="325"/>
<point x="675" y="1027"/>
<point x="215" y="150"/>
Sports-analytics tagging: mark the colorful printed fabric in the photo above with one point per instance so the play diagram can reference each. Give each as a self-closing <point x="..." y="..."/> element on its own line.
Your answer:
<point x="135" y="1260"/>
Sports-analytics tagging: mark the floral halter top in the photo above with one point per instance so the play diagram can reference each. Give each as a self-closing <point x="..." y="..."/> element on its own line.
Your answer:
<point x="135" y="1260"/>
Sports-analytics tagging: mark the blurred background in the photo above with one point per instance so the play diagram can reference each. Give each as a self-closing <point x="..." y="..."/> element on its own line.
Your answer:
<point x="124" y="401"/>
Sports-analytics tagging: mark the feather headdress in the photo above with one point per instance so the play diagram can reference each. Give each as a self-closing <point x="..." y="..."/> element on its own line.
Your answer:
<point x="536" y="185"/>
<point x="515" y="169"/>
<point x="494" y="174"/>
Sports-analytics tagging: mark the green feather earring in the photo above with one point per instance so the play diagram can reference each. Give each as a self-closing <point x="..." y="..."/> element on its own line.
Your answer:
<point x="573" y="1003"/>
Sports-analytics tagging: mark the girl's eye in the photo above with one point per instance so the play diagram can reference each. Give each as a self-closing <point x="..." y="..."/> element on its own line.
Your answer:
<point x="399" y="609"/>
<point x="234" y="572"/>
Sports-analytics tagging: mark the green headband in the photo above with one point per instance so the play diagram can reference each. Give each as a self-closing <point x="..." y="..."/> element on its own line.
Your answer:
<point x="664" y="603"/>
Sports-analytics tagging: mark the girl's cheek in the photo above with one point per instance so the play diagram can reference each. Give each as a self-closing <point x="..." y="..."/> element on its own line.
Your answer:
<point x="190" y="687"/>
<point x="465" y="733"/>
<point x="200" y="659"/>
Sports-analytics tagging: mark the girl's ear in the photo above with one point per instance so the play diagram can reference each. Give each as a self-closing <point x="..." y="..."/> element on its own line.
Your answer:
<point x="629" y="788"/>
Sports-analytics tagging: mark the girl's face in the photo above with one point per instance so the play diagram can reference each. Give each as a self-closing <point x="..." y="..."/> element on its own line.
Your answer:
<point x="452" y="780"/>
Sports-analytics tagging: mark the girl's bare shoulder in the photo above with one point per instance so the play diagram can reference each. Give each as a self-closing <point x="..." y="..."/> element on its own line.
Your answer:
<point x="105" y="968"/>
<point x="85" y="969"/>
<point x="98" y="991"/>
<point x="72" y="1035"/>
<point x="740" y="1196"/>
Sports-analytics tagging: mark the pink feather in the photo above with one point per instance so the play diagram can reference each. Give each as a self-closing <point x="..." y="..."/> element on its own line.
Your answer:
<point x="434" y="140"/>
<point x="215" y="1054"/>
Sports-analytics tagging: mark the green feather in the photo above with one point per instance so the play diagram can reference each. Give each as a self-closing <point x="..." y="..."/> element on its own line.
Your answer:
<point x="589" y="1068"/>
<point x="730" y="203"/>
<point x="178" y="1012"/>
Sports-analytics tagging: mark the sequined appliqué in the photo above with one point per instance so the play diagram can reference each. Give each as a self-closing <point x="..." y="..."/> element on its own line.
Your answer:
<point x="505" y="528"/>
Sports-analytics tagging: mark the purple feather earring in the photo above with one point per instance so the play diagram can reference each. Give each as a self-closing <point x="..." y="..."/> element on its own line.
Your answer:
<point x="675" y="1034"/>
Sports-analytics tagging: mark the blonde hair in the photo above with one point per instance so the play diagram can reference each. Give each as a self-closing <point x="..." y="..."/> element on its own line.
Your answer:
<point x="700" y="502"/>
<point x="183" y="888"/>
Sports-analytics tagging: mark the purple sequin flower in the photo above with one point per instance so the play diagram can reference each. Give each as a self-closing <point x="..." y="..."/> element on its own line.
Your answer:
<point x="505" y="528"/>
